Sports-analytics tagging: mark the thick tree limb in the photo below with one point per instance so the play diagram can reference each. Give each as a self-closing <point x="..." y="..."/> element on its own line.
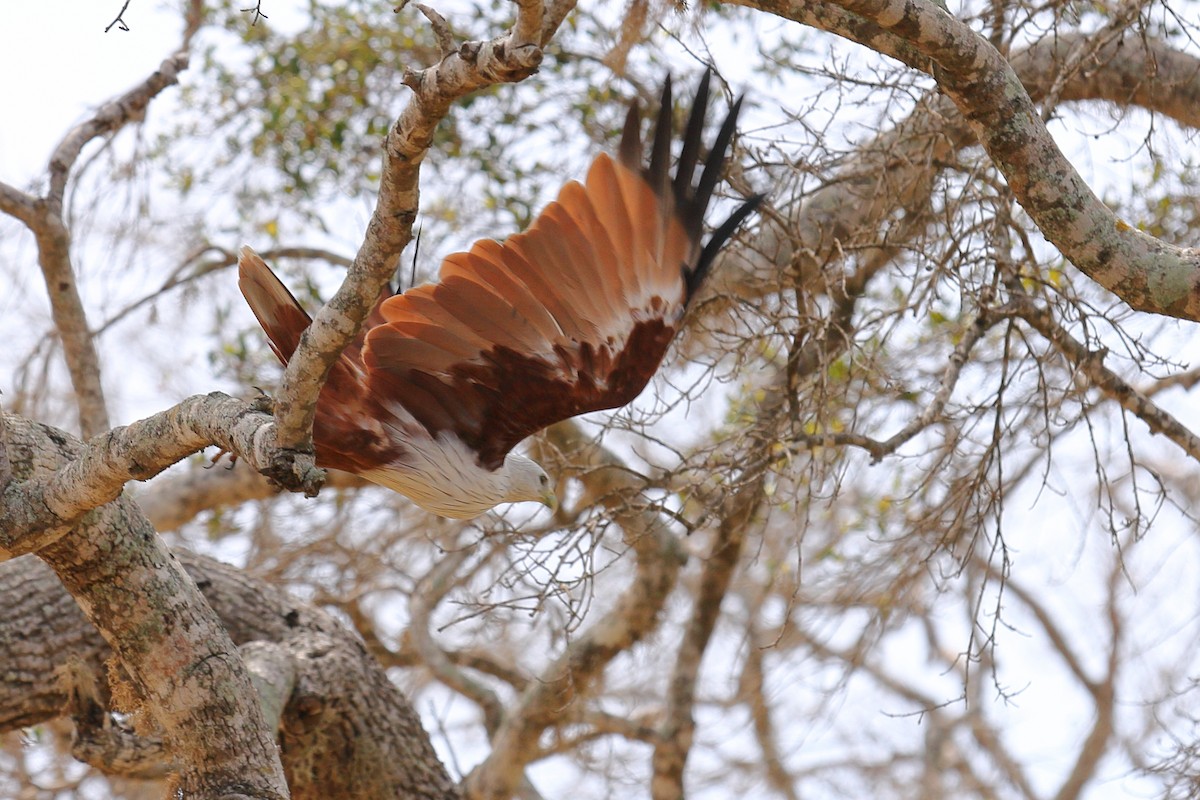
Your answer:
<point x="186" y="674"/>
<point x="899" y="168"/>
<point x="103" y="740"/>
<point x="184" y="666"/>
<point x="37" y="511"/>
<point x="1147" y="273"/>
<point x="339" y="689"/>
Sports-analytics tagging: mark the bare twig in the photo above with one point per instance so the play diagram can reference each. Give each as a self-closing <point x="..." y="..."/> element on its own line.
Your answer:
<point x="1085" y="51"/>
<point x="183" y="276"/>
<point x="257" y="13"/>
<point x="1091" y="364"/>
<point x="932" y="412"/>
<point x="112" y="116"/>
<point x="120" y="20"/>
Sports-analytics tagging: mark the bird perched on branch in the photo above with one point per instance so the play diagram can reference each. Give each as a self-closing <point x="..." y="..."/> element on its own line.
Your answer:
<point x="572" y="315"/>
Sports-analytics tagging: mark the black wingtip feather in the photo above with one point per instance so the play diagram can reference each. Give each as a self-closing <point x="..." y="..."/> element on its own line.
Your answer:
<point x="689" y="155"/>
<point x="629" y="153"/>
<point x="658" y="174"/>
<point x="691" y="202"/>
<point x="718" y="239"/>
<point x="716" y="159"/>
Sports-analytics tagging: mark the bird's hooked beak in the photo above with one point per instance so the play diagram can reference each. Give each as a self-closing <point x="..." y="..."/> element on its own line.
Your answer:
<point x="550" y="500"/>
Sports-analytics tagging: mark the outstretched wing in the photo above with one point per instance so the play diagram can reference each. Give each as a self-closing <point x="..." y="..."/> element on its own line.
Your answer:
<point x="574" y="314"/>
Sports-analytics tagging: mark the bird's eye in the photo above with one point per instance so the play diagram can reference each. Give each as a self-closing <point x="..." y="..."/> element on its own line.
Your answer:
<point x="544" y="480"/>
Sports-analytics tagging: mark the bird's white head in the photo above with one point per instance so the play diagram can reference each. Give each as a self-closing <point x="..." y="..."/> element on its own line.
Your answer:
<point x="527" y="481"/>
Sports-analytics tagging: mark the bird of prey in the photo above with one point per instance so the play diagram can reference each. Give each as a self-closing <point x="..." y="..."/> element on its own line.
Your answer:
<point x="570" y="316"/>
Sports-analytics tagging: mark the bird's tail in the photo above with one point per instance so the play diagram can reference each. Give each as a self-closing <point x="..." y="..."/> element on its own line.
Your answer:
<point x="277" y="310"/>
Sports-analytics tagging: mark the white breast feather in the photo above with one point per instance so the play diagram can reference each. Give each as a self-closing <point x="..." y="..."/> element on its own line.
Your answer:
<point x="441" y="475"/>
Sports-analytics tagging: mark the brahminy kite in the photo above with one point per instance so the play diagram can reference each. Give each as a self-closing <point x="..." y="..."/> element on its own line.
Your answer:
<point x="570" y="316"/>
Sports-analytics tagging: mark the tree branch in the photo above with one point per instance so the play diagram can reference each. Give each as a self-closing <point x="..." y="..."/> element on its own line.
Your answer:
<point x="430" y="590"/>
<point x="1149" y="274"/>
<point x="635" y="613"/>
<point x="38" y="511"/>
<point x="678" y="728"/>
<point x="172" y="501"/>
<point x="44" y="218"/>
<point x="476" y="65"/>
<point x="932" y="412"/>
<point x="339" y="689"/>
<point x="112" y="116"/>
<point x="1091" y="364"/>
<point x="185" y="671"/>
<point x="17" y="204"/>
<point x="897" y="170"/>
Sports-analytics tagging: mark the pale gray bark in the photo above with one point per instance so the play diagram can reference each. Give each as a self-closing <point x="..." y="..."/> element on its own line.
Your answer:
<point x="1148" y="274"/>
<point x="45" y="505"/>
<point x="185" y="673"/>
<point x="345" y="730"/>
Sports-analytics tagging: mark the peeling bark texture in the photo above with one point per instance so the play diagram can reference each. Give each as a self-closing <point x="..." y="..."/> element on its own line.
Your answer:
<point x="340" y="691"/>
<point x="38" y="510"/>
<point x="1148" y="274"/>
<point x="113" y="560"/>
<point x="185" y="674"/>
<point x="346" y="731"/>
<point x="475" y="65"/>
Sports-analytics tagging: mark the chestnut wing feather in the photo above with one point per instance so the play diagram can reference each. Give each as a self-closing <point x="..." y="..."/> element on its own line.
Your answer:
<point x="346" y="432"/>
<point x="571" y="316"/>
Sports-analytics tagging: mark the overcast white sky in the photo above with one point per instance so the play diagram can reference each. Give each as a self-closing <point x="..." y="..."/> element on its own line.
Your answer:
<point x="57" y="64"/>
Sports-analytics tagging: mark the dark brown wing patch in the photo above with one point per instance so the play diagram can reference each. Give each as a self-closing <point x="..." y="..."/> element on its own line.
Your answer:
<point x="573" y="315"/>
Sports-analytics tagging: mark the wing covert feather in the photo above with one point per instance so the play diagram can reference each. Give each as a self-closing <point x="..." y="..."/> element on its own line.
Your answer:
<point x="572" y="315"/>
